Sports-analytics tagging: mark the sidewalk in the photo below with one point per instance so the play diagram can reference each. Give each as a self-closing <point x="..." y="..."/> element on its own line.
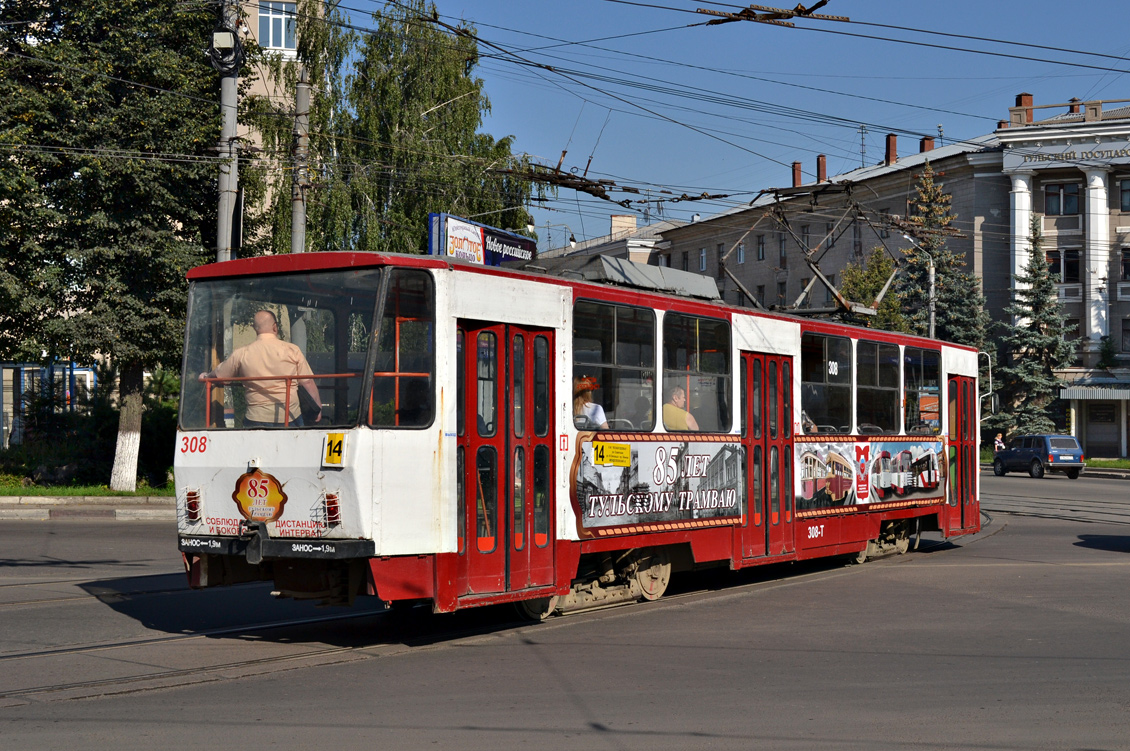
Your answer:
<point x="120" y="508"/>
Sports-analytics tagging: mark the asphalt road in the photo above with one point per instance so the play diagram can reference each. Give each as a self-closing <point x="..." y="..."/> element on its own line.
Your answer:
<point x="1013" y="639"/>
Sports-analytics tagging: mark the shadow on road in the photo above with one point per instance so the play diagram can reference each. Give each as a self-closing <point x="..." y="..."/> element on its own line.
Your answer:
<point x="1109" y="543"/>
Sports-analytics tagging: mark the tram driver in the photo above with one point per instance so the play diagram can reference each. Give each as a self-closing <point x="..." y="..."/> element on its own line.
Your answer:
<point x="676" y="416"/>
<point x="270" y="357"/>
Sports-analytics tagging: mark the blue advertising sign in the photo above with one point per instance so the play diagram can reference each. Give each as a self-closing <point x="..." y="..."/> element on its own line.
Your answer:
<point x="454" y="237"/>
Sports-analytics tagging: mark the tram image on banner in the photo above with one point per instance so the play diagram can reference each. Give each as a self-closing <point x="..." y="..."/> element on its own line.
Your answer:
<point x="906" y="471"/>
<point x="825" y="478"/>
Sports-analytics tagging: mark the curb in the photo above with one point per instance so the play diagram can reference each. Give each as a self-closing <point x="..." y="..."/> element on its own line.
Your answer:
<point x="1108" y="474"/>
<point x="122" y="508"/>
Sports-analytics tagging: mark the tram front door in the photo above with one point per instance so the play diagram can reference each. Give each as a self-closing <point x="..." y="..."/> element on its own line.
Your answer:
<point x="767" y="433"/>
<point x="505" y="427"/>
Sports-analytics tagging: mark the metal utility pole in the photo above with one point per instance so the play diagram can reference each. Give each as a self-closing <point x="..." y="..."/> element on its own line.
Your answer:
<point x="301" y="164"/>
<point x="226" y="55"/>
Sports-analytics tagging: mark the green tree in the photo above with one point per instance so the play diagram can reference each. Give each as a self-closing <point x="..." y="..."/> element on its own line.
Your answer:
<point x="108" y="116"/>
<point x="862" y="283"/>
<point x="959" y="305"/>
<point x="394" y="134"/>
<point x="1034" y="346"/>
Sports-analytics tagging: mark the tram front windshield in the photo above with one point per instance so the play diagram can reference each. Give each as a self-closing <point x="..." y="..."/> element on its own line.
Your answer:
<point x="329" y="316"/>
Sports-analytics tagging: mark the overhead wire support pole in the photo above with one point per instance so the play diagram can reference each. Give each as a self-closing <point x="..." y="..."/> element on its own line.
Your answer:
<point x="301" y="179"/>
<point x="226" y="56"/>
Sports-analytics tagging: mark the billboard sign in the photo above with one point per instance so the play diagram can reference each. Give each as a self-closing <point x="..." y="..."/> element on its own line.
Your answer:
<point x="452" y="237"/>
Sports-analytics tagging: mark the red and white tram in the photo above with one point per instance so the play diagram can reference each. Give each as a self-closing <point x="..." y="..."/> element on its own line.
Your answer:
<point x="448" y="466"/>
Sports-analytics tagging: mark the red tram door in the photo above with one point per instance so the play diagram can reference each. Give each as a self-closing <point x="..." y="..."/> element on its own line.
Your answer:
<point x="505" y="457"/>
<point x="963" y="509"/>
<point x="767" y="433"/>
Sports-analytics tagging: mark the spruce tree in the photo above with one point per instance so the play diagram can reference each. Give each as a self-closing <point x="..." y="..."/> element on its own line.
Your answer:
<point x="1034" y="345"/>
<point x="960" y="313"/>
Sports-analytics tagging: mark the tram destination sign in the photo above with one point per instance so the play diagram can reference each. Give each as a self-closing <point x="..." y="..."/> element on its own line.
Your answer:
<point x="626" y="483"/>
<point x="453" y="237"/>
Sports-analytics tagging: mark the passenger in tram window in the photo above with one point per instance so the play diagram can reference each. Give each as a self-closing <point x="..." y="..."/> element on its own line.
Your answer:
<point x="584" y="406"/>
<point x="675" y="413"/>
<point x="807" y="424"/>
<point x="265" y="357"/>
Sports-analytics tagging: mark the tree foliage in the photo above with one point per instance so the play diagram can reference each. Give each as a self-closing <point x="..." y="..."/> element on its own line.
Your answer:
<point x="1035" y="347"/>
<point x="863" y="283"/>
<point x="960" y="312"/>
<point x="108" y="117"/>
<point x="395" y="134"/>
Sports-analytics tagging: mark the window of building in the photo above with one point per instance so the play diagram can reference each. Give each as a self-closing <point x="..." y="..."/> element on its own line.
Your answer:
<point x="696" y="360"/>
<point x="1061" y="199"/>
<point x="828" y="296"/>
<point x="885" y="225"/>
<point x="782" y="251"/>
<point x="807" y="298"/>
<point x="780" y="293"/>
<point x="720" y="250"/>
<point x="1126" y="334"/>
<point x="686" y="261"/>
<point x="825" y="363"/>
<point x="1124" y="190"/>
<point x="922" y="391"/>
<point x="877" y="374"/>
<point x="741" y="252"/>
<point x="702" y="259"/>
<point x="276" y="25"/>
<point x="761" y="247"/>
<point x="1065" y="264"/>
<point x="806" y="237"/>
<point x="831" y="241"/>
<point x="615" y="346"/>
<point x="761" y="294"/>
<point x="1126" y="264"/>
<point x="665" y="260"/>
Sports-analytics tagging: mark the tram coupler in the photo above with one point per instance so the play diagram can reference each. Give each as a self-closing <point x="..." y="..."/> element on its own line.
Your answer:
<point x="256" y="534"/>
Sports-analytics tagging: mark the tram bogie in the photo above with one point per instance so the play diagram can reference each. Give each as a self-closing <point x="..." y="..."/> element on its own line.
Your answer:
<point x="442" y="463"/>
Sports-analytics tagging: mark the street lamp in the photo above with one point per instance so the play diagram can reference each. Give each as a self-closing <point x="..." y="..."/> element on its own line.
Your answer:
<point x="572" y="238"/>
<point x="930" y="299"/>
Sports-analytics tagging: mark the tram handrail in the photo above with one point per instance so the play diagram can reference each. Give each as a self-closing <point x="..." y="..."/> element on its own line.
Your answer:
<point x="208" y="382"/>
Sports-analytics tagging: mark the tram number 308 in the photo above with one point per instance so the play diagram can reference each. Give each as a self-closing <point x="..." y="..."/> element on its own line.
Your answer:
<point x="815" y="531"/>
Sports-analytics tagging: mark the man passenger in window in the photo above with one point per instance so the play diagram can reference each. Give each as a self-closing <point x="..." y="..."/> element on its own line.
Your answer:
<point x="584" y="405"/>
<point x="675" y="413"/>
<point x="265" y="357"/>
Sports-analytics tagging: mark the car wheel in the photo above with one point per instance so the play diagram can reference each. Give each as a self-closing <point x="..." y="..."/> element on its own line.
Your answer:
<point x="1037" y="469"/>
<point x="1073" y="474"/>
<point x="998" y="468"/>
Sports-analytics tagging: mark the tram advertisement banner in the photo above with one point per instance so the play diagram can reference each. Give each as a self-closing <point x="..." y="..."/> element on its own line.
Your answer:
<point x="630" y="483"/>
<point x="831" y="474"/>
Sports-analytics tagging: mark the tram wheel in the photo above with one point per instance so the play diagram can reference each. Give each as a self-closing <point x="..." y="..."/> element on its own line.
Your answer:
<point x="653" y="573"/>
<point x="537" y="609"/>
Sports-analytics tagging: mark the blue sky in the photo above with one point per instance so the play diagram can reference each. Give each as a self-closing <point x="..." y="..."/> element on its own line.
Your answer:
<point x="661" y="102"/>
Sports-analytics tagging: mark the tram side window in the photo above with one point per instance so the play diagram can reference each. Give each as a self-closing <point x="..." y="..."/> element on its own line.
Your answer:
<point x="825" y="402"/>
<point x="922" y="387"/>
<point x="696" y="359"/>
<point x="613" y="366"/>
<point x="404" y="380"/>
<point x="877" y="376"/>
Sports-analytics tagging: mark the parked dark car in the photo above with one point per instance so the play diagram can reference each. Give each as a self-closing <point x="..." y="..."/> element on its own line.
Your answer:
<point x="1037" y="454"/>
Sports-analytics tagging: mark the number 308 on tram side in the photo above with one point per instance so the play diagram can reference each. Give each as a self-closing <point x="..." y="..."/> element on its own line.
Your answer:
<point x="426" y="430"/>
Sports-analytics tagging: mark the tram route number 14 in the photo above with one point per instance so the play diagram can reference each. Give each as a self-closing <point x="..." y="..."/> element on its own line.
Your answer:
<point x="333" y="449"/>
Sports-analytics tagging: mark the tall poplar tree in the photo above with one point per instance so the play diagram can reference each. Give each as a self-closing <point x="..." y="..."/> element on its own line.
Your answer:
<point x="108" y="117"/>
<point x="1034" y="346"/>
<point x="862" y="283"/>
<point x="395" y="133"/>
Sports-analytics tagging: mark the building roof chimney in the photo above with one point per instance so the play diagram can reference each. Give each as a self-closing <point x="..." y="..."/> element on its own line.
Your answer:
<point x="1025" y="101"/>
<point x="623" y="224"/>
<point x="821" y="168"/>
<point x="892" y="149"/>
<point x="797" y="179"/>
<point x="926" y="143"/>
<point x="1076" y="105"/>
<point x="1002" y="124"/>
